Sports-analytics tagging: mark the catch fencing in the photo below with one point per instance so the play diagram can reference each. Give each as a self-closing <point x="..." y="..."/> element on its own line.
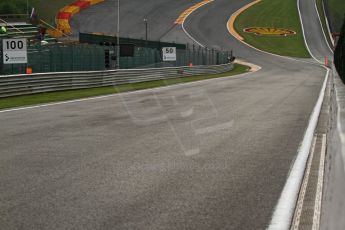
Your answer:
<point x="192" y="55"/>
<point x="58" y="58"/>
<point x="334" y="187"/>
<point x="90" y="57"/>
<point x="14" y="85"/>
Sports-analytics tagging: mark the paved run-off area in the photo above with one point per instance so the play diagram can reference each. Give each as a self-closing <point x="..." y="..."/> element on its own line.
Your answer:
<point x="206" y="155"/>
<point x="196" y="156"/>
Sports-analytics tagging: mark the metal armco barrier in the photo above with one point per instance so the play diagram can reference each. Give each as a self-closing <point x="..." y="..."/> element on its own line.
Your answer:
<point x="15" y="85"/>
<point x="334" y="187"/>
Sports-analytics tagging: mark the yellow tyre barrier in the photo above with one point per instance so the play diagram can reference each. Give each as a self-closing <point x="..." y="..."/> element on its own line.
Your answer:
<point x="93" y="2"/>
<point x="72" y="9"/>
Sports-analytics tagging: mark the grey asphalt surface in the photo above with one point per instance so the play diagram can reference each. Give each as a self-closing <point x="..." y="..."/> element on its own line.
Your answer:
<point x="161" y="16"/>
<point x="207" y="155"/>
<point x="313" y="32"/>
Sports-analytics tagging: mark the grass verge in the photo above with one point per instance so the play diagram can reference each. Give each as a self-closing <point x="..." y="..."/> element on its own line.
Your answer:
<point x="337" y="13"/>
<point x="275" y="14"/>
<point x="34" y="99"/>
<point x="47" y="9"/>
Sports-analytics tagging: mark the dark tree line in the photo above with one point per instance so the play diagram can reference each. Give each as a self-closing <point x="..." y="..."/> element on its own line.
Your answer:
<point x="339" y="54"/>
<point x="13" y="7"/>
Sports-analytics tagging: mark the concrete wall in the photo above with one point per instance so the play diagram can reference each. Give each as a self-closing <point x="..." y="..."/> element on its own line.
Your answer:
<point x="333" y="210"/>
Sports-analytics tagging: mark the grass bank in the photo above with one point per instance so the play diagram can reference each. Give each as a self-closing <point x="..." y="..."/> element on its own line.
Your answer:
<point x="47" y="9"/>
<point x="41" y="98"/>
<point x="274" y="14"/>
<point x="337" y="13"/>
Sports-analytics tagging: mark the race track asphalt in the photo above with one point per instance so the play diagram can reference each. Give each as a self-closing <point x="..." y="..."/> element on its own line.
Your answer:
<point x="160" y="15"/>
<point x="212" y="154"/>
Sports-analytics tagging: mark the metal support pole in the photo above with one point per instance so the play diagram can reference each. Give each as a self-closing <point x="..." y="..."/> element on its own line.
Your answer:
<point x="118" y="36"/>
<point x="145" y="21"/>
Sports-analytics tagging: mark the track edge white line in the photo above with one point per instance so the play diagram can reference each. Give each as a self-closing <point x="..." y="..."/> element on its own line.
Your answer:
<point x="284" y="210"/>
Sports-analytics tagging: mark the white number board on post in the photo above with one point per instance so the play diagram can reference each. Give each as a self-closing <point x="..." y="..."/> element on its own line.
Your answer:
<point x="169" y="53"/>
<point x="14" y="51"/>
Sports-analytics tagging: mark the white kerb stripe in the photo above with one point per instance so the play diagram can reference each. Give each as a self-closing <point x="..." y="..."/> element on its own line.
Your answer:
<point x="285" y="208"/>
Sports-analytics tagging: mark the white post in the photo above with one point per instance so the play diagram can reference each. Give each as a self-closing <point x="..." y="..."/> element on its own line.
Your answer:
<point x="145" y="21"/>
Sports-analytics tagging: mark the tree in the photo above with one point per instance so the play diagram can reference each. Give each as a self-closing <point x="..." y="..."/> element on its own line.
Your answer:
<point x="13" y="7"/>
<point x="339" y="54"/>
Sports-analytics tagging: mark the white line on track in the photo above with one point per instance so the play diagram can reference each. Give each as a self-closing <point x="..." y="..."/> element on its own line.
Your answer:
<point x="323" y="31"/>
<point x="265" y="52"/>
<point x="125" y="93"/>
<point x="327" y="24"/>
<point x="139" y="91"/>
<point x="191" y="37"/>
<point x="186" y="32"/>
<point x="303" y="31"/>
<point x="284" y="210"/>
<point x="302" y="193"/>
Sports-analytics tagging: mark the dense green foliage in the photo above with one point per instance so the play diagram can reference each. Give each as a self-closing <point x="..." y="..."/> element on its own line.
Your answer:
<point x="13" y="7"/>
<point x="339" y="54"/>
<point x="47" y="9"/>
<point x="276" y="14"/>
<point x="337" y="13"/>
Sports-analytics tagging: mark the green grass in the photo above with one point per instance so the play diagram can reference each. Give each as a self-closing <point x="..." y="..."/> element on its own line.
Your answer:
<point x="278" y="14"/>
<point x="40" y="98"/>
<point x="13" y="7"/>
<point x="337" y="12"/>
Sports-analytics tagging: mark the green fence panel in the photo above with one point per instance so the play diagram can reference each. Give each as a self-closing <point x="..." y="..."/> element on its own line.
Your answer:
<point x="59" y="58"/>
<point x="91" y="57"/>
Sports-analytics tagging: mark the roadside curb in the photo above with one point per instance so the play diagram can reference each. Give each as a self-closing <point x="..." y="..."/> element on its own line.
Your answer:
<point x="253" y="67"/>
<point x="230" y="23"/>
